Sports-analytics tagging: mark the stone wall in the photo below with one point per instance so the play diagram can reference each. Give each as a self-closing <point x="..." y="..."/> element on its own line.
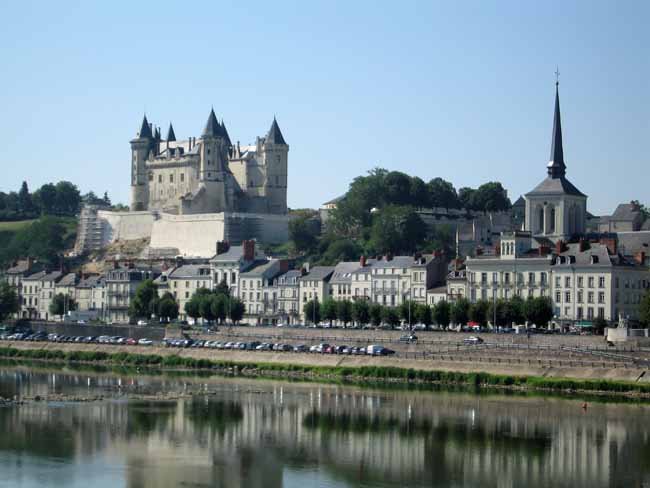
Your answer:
<point x="149" y="332"/>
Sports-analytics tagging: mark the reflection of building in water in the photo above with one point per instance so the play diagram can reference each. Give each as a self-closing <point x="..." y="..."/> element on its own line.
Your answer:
<point x="251" y="433"/>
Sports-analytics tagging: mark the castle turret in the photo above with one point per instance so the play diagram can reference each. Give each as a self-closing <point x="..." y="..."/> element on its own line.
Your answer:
<point x="141" y="147"/>
<point x="275" y="151"/>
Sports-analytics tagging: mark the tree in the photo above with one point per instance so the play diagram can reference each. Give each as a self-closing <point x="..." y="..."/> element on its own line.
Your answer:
<point x="538" y="310"/>
<point x="491" y="197"/>
<point x="502" y="313"/>
<point x="68" y="198"/>
<point x="406" y="311"/>
<point x="419" y="193"/>
<point x="303" y="233"/>
<point x="344" y="311"/>
<point x="328" y="310"/>
<point x="442" y="194"/>
<point x="167" y="307"/>
<point x="338" y="250"/>
<point x="26" y="206"/>
<point x="397" y="188"/>
<point x="515" y="310"/>
<point x="9" y="303"/>
<point x="192" y="307"/>
<point x="45" y="199"/>
<point x="460" y="311"/>
<point x="236" y="310"/>
<point x="375" y="313"/>
<point x="466" y="198"/>
<point x="478" y="312"/>
<point x="311" y="309"/>
<point x="644" y="310"/>
<point x="423" y="314"/>
<point x="207" y="306"/>
<point x="599" y="324"/>
<point x="361" y="312"/>
<point x="219" y="306"/>
<point x="442" y="313"/>
<point x="144" y="303"/>
<point x="222" y="288"/>
<point x="390" y="316"/>
<point x="61" y="304"/>
<point x="396" y="230"/>
<point x="106" y="199"/>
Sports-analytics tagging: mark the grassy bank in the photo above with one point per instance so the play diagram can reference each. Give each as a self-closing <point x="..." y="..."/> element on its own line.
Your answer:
<point x="387" y="374"/>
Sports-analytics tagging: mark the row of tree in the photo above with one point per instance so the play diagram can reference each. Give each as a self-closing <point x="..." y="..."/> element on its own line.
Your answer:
<point x="62" y="198"/>
<point x="537" y="311"/>
<point x="215" y="305"/>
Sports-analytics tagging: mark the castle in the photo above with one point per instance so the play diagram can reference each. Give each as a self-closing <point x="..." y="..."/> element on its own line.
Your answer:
<point x="209" y="174"/>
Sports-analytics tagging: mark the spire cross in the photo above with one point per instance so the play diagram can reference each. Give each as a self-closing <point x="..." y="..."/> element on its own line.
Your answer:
<point x="557" y="76"/>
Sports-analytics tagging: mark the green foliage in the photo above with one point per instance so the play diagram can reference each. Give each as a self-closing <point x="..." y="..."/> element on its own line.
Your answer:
<point x="329" y="310"/>
<point x="9" y="303"/>
<point x="390" y="316"/>
<point x="442" y="313"/>
<point x="460" y="311"/>
<point x="538" y="310"/>
<point x="479" y="312"/>
<point x="236" y="309"/>
<point x="167" y="307"/>
<point x="219" y="307"/>
<point x="375" y="313"/>
<point x="303" y="232"/>
<point x="361" y="312"/>
<point x="442" y="194"/>
<point x="396" y="230"/>
<point x="145" y="301"/>
<point x="61" y="304"/>
<point x="423" y="314"/>
<point x="312" y="311"/>
<point x="44" y="239"/>
<point x="344" y="311"/>
<point x="406" y="311"/>
<point x="337" y="250"/>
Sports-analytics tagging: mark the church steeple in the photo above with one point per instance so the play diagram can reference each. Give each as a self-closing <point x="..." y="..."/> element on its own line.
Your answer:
<point x="171" y="137"/>
<point x="556" y="166"/>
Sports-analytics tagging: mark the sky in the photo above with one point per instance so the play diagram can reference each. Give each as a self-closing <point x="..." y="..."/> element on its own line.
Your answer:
<point x="459" y="90"/>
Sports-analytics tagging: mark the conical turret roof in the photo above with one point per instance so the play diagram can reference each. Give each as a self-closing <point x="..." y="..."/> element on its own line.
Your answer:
<point x="171" y="137"/>
<point x="212" y="127"/>
<point x="274" y="135"/>
<point x="145" y="129"/>
<point x="556" y="166"/>
<point x="224" y="132"/>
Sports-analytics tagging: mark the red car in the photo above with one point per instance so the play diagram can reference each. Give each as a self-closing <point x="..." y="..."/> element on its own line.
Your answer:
<point x="131" y="342"/>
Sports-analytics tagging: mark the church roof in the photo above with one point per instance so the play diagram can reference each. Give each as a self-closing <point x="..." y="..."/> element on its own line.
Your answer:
<point x="556" y="166"/>
<point x="556" y="186"/>
<point x="275" y="135"/>
<point x="171" y="137"/>
<point x="145" y="129"/>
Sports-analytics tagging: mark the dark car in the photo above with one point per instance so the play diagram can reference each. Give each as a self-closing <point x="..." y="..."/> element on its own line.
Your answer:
<point x="386" y="352"/>
<point x="409" y="338"/>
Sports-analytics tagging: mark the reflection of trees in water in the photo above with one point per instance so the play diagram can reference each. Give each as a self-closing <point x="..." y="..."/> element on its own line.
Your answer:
<point x="215" y="415"/>
<point x="144" y="417"/>
<point x="34" y="436"/>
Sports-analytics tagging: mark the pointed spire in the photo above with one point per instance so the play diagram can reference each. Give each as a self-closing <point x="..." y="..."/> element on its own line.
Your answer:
<point x="224" y="132"/>
<point x="157" y="134"/>
<point x="274" y="135"/>
<point x="212" y="127"/>
<point x="171" y="137"/>
<point x="556" y="166"/>
<point x="145" y="129"/>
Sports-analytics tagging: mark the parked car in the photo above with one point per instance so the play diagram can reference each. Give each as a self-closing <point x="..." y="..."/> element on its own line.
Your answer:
<point x="473" y="340"/>
<point x="145" y="342"/>
<point x="408" y="338"/>
<point x="264" y="347"/>
<point x="300" y="348"/>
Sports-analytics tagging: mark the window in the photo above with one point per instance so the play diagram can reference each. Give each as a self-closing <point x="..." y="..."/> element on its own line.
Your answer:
<point x="558" y="297"/>
<point x="182" y="177"/>
<point x="601" y="297"/>
<point x="580" y="297"/>
<point x="601" y="282"/>
<point x="567" y="297"/>
<point x="531" y="278"/>
<point x="159" y="178"/>
<point x="590" y="313"/>
<point x="558" y="282"/>
<point x="484" y="278"/>
<point x="507" y="278"/>
<point x="567" y="282"/>
<point x="616" y="282"/>
<point x="542" y="278"/>
<point x="171" y="178"/>
<point x="601" y="312"/>
<point x="150" y="176"/>
<point x="495" y="278"/>
<point x="590" y="281"/>
<point x="579" y="315"/>
<point x="590" y="297"/>
<point x="580" y="281"/>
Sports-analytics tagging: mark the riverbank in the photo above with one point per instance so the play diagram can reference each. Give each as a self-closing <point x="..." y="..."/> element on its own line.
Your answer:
<point x="623" y="381"/>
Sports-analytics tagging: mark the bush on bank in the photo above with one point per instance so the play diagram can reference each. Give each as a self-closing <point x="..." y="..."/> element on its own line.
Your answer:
<point x="350" y="373"/>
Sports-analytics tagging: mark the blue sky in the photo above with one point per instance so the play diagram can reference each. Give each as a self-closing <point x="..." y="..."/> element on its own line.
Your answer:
<point x="462" y="91"/>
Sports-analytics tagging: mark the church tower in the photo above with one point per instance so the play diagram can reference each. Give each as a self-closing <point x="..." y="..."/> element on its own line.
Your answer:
<point x="275" y="155"/>
<point x="556" y="209"/>
<point x="141" y="147"/>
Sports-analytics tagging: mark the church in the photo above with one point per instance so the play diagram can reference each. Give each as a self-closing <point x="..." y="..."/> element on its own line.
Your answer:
<point x="209" y="174"/>
<point x="556" y="209"/>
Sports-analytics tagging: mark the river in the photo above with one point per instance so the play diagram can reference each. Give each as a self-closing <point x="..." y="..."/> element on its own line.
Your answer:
<point x="235" y="432"/>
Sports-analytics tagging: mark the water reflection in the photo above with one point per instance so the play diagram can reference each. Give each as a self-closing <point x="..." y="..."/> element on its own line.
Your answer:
<point x="236" y="433"/>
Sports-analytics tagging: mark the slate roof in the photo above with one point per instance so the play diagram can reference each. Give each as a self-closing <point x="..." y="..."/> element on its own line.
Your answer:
<point x="171" y="137"/>
<point x="556" y="166"/>
<point x="68" y="280"/>
<point x="145" y="129"/>
<point x="262" y="269"/>
<point x="318" y="273"/>
<point x="574" y="257"/>
<point x="274" y="135"/>
<point x="212" y="126"/>
<point x="555" y="186"/>
<point x="20" y="268"/>
<point x="625" y="212"/>
<point x="630" y="243"/>
<point x="343" y="271"/>
<point x="438" y="289"/>
<point x="191" y="271"/>
<point x="235" y="253"/>
<point x="90" y="281"/>
<point x="520" y="202"/>
<point x="36" y="276"/>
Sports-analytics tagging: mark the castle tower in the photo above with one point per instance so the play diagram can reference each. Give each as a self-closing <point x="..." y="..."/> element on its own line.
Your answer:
<point x="275" y="155"/>
<point x="141" y="147"/>
<point x="556" y="209"/>
<point x="213" y="152"/>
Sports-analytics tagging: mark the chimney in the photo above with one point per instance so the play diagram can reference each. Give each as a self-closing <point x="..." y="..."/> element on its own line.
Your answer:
<point x="560" y="247"/>
<point x="249" y="250"/>
<point x="582" y="245"/>
<point x="497" y="248"/>
<point x="179" y="261"/>
<point x="388" y="257"/>
<point x="479" y="251"/>
<point x="362" y="261"/>
<point x="544" y="250"/>
<point x="305" y="269"/>
<point x="640" y="257"/>
<point x="222" y="247"/>
<point x="611" y="244"/>
<point x="284" y="265"/>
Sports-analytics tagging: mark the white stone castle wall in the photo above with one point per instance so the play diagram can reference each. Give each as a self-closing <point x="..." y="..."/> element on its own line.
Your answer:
<point x="192" y="235"/>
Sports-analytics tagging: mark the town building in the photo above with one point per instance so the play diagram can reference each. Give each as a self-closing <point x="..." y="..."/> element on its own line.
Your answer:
<point x="183" y="281"/>
<point x="121" y="285"/>
<point x="230" y="261"/>
<point x="287" y="286"/>
<point x="38" y="291"/>
<point x="258" y="293"/>
<point x="314" y="285"/>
